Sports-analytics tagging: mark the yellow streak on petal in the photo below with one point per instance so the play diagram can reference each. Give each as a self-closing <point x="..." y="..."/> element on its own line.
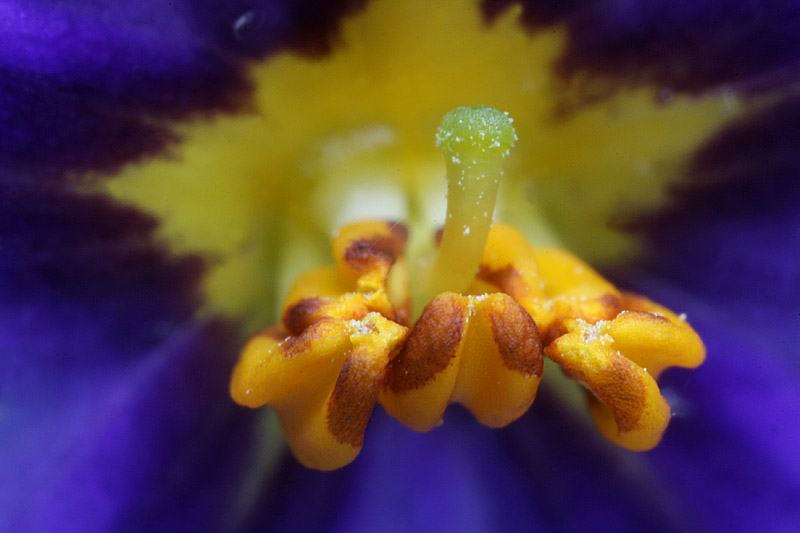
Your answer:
<point x="258" y="193"/>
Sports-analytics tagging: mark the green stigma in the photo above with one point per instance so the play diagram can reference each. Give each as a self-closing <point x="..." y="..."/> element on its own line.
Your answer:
<point x="471" y="135"/>
<point x="474" y="141"/>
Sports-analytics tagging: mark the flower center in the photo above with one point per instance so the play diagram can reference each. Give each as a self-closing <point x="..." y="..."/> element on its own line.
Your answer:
<point x="493" y="307"/>
<point x="242" y="189"/>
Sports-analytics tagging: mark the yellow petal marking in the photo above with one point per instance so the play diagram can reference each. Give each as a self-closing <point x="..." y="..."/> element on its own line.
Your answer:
<point x="258" y="193"/>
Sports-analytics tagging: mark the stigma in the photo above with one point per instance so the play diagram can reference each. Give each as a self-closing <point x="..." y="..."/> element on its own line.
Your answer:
<point x="471" y="325"/>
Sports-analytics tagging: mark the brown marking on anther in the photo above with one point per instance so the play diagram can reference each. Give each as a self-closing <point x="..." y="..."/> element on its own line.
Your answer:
<point x="302" y="314"/>
<point x="611" y="302"/>
<point x="621" y="388"/>
<point x="352" y="401"/>
<point x="433" y="342"/>
<point x="437" y="236"/>
<point x="295" y="345"/>
<point x="362" y="256"/>
<point x="517" y="338"/>
<point x="616" y="384"/>
<point x="507" y="279"/>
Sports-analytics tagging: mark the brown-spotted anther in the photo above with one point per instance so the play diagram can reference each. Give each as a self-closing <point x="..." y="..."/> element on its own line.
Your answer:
<point x="479" y="351"/>
<point x="489" y="307"/>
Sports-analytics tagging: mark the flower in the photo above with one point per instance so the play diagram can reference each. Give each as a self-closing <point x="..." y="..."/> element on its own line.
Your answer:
<point x="124" y="302"/>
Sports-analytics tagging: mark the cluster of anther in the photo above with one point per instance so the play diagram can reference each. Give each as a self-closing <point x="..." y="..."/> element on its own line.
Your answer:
<point x="345" y="344"/>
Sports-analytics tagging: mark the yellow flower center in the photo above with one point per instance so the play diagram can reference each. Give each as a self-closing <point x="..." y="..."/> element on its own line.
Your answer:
<point x="327" y="140"/>
<point x="345" y="341"/>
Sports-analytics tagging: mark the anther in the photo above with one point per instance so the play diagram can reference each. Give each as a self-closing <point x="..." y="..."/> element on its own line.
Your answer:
<point x="489" y="307"/>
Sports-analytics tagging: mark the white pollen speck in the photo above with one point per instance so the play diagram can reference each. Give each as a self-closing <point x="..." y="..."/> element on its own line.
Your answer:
<point x="466" y="230"/>
<point x="248" y="391"/>
<point x="682" y="316"/>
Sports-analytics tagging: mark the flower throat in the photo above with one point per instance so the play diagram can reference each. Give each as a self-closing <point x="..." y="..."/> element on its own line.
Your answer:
<point x="470" y="325"/>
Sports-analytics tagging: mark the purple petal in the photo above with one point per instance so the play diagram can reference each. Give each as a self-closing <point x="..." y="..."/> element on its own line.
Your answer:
<point x="726" y="253"/>
<point x="115" y="411"/>
<point x="737" y="218"/>
<point x="92" y="85"/>
<point x="731" y="447"/>
<point x="687" y="45"/>
<point x="115" y="404"/>
<point x="543" y="473"/>
<point x="134" y="441"/>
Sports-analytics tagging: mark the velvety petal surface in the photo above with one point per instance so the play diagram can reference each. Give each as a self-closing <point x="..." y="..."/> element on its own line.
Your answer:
<point x="729" y="250"/>
<point x="91" y="85"/>
<point x="543" y="473"/>
<point x="109" y="390"/>
<point x="730" y="449"/>
<point x="739" y="222"/>
<point x="114" y="410"/>
<point x="682" y="46"/>
<point x="112" y="398"/>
